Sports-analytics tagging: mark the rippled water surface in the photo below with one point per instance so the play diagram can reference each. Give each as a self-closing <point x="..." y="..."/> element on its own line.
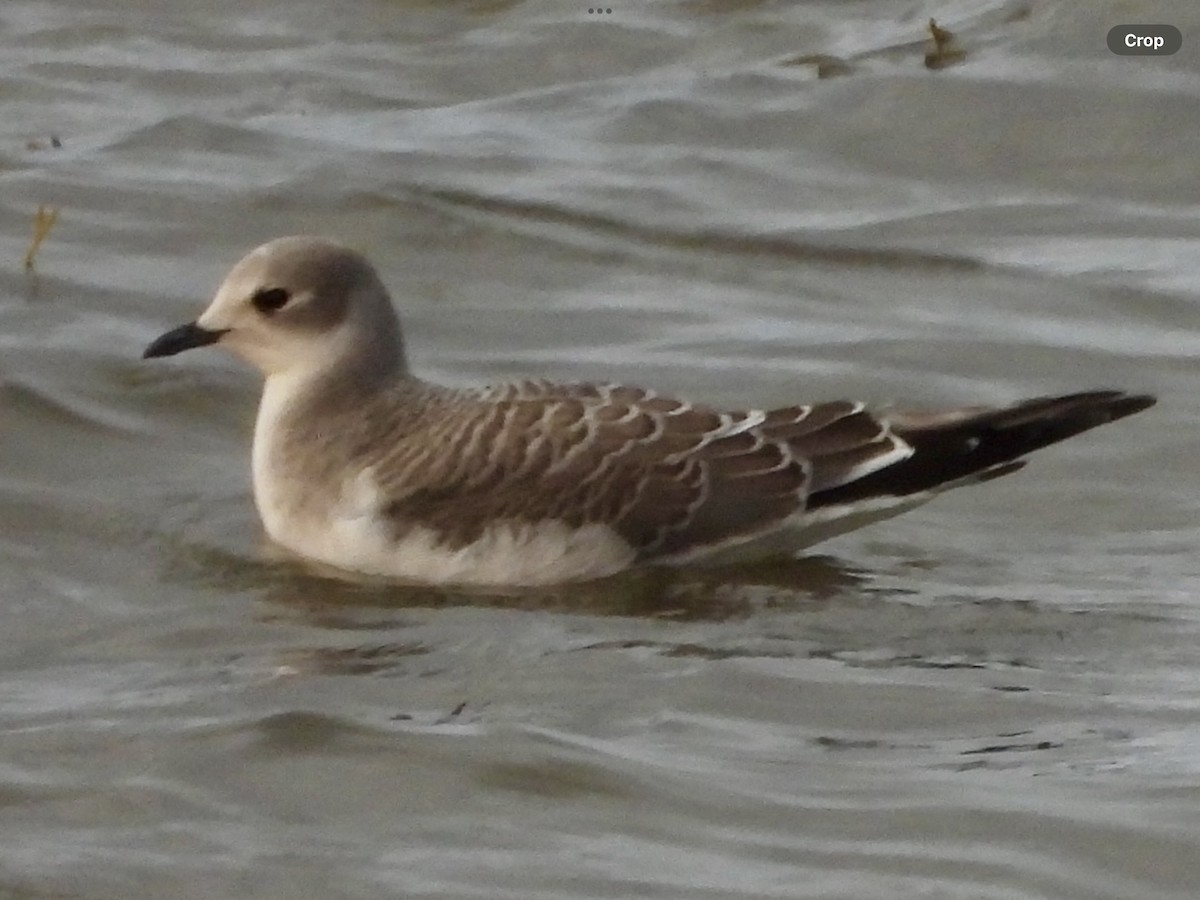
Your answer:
<point x="996" y="696"/>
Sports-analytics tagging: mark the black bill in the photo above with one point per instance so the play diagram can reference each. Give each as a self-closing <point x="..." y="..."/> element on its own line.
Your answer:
<point x="185" y="337"/>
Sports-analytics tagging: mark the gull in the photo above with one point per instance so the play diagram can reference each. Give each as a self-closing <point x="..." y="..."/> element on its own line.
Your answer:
<point x="361" y="465"/>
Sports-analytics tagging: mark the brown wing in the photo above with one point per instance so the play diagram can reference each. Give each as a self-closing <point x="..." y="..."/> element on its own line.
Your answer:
<point x="676" y="480"/>
<point x="842" y="440"/>
<point x="664" y="475"/>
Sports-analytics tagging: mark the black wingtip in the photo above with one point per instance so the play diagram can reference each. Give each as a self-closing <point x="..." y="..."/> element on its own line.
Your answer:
<point x="1087" y="408"/>
<point x="989" y="444"/>
<point x="1028" y="426"/>
<point x="1128" y="404"/>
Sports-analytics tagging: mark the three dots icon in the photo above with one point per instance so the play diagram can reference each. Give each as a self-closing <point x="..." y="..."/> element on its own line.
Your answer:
<point x="593" y="10"/>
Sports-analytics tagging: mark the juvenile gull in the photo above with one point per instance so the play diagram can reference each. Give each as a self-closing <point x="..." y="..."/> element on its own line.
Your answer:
<point x="361" y="465"/>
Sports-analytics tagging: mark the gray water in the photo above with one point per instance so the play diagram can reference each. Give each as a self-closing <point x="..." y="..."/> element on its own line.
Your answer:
<point x="993" y="697"/>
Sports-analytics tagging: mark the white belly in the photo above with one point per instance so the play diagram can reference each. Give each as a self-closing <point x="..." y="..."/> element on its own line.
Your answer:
<point x="508" y="553"/>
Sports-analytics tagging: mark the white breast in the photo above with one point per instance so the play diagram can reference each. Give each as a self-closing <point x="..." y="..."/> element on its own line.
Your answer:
<point x="271" y="490"/>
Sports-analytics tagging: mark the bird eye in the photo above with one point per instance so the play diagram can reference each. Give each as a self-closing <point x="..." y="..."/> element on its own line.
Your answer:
<point x="269" y="300"/>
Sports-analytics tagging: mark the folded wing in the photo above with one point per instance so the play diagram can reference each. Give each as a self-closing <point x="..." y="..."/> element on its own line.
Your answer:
<point x="677" y="481"/>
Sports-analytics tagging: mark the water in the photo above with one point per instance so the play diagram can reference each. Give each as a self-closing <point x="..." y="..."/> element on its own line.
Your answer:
<point x="993" y="697"/>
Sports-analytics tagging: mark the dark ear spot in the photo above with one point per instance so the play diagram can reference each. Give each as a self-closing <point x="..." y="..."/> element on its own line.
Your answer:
<point x="269" y="300"/>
